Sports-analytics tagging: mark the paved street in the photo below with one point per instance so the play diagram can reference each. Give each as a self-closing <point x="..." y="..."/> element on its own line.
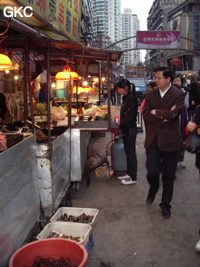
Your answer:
<point x="130" y="233"/>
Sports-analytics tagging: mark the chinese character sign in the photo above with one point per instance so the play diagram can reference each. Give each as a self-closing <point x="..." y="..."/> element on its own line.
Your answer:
<point x="62" y="15"/>
<point x="158" y="39"/>
<point x="196" y="31"/>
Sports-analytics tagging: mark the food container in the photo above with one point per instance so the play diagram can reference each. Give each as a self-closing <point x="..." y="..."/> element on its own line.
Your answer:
<point x="75" y="212"/>
<point x="70" y="229"/>
<point x="49" y="248"/>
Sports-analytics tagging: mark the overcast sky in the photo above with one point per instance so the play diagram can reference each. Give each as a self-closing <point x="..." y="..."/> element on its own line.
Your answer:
<point x="140" y="8"/>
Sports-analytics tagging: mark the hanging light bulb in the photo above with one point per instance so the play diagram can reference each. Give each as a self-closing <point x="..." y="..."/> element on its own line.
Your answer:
<point x="5" y="62"/>
<point x="53" y="85"/>
<point x="85" y="83"/>
<point x="67" y="74"/>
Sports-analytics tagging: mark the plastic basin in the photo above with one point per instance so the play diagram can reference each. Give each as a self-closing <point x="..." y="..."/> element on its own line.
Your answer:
<point x="81" y="230"/>
<point x="54" y="248"/>
<point x="74" y="211"/>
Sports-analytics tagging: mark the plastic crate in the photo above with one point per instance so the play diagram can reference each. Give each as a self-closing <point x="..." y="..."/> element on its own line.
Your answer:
<point x="75" y="212"/>
<point x="73" y="229"/>
<point x="89" y="244"/>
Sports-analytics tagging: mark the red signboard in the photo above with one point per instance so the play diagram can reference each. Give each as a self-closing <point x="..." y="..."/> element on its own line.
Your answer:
<point x="158" y="40"/>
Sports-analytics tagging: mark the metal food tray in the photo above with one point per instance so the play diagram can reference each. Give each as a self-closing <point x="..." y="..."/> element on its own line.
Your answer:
<point x="99" y="124"/>
<point x="13" y="139"/>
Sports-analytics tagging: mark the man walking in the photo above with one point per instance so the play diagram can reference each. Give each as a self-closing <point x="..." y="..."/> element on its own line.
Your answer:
<point x="161" y="112"/>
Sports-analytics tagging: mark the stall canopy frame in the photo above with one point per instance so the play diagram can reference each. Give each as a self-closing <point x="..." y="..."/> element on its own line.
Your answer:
<point x="20" y="35"/>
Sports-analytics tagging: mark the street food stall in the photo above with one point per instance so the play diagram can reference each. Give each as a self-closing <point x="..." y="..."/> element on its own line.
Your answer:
<point x="50" y="154"/>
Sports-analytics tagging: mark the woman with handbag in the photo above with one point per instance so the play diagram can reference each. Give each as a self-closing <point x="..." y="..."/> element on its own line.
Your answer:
<point x="193" y="126"/>
<point x="177" y="82"/>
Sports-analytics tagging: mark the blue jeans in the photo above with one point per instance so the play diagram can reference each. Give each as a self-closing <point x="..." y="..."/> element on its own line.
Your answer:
<point x="129" y="140"/>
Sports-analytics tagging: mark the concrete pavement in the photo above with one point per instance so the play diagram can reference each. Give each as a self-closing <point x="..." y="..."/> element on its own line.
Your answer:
<point x="130" y="233"/>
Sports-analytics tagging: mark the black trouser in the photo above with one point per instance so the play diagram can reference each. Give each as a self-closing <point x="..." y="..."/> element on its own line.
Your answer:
<point x="161" y="162"/>
<point x="129" y="140"/>
<point x="113" y="100"/>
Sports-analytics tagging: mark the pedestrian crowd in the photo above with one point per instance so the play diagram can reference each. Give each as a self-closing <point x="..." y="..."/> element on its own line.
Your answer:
<point x="171" y="111"/>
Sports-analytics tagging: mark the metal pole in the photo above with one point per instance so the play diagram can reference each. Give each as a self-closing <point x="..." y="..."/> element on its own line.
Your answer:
<point x="69" y="103"/>
<point x="77" y="105"/>
<point x="193" y="41"/>
<point x="108" y="91"/>
<point x="121" y="41"/>
<point x="28" y="87"/>
<point x="48" y="94"/>
<point x="26" y="66"/>
<point x="99" y="83"/>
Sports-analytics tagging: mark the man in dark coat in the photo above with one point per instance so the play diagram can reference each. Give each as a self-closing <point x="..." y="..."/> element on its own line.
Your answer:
<point x="161" y="112"/>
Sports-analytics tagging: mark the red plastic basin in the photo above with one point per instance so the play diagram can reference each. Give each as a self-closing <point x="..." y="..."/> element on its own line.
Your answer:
<point x="54" y="248"/>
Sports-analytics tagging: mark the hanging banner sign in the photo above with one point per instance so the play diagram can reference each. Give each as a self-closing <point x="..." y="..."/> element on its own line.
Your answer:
<point x="63" y="16"/>
<point x="158" y="40"/>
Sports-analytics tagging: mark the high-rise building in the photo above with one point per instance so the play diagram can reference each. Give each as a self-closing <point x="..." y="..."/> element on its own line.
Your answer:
<point x="130" y="26"/>
<point x="106" y="22"/>
<point x="86" y="22"/>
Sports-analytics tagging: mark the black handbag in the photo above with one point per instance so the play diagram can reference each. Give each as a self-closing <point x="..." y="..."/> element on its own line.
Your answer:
<point x="192" y="143"/>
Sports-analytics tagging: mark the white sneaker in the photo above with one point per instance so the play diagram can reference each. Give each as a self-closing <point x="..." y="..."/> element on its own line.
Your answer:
<point x="182" y="164"/>
<point x="126" y="176"/>
<point x="128" y="181"/>
<point x="197" y="246"/>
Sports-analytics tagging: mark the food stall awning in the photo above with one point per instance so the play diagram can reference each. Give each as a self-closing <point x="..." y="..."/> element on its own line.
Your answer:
<point x="40" y="30"/>
<point x="79" y="51"/>
<point x="57" y="48"/>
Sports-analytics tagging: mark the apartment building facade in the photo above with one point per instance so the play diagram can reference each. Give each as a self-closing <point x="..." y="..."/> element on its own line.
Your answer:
<point x="106" y="22"/>
<point x="86" y="22"/>
<point x="130" y="26"/>
<point x="176" y="15"/>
